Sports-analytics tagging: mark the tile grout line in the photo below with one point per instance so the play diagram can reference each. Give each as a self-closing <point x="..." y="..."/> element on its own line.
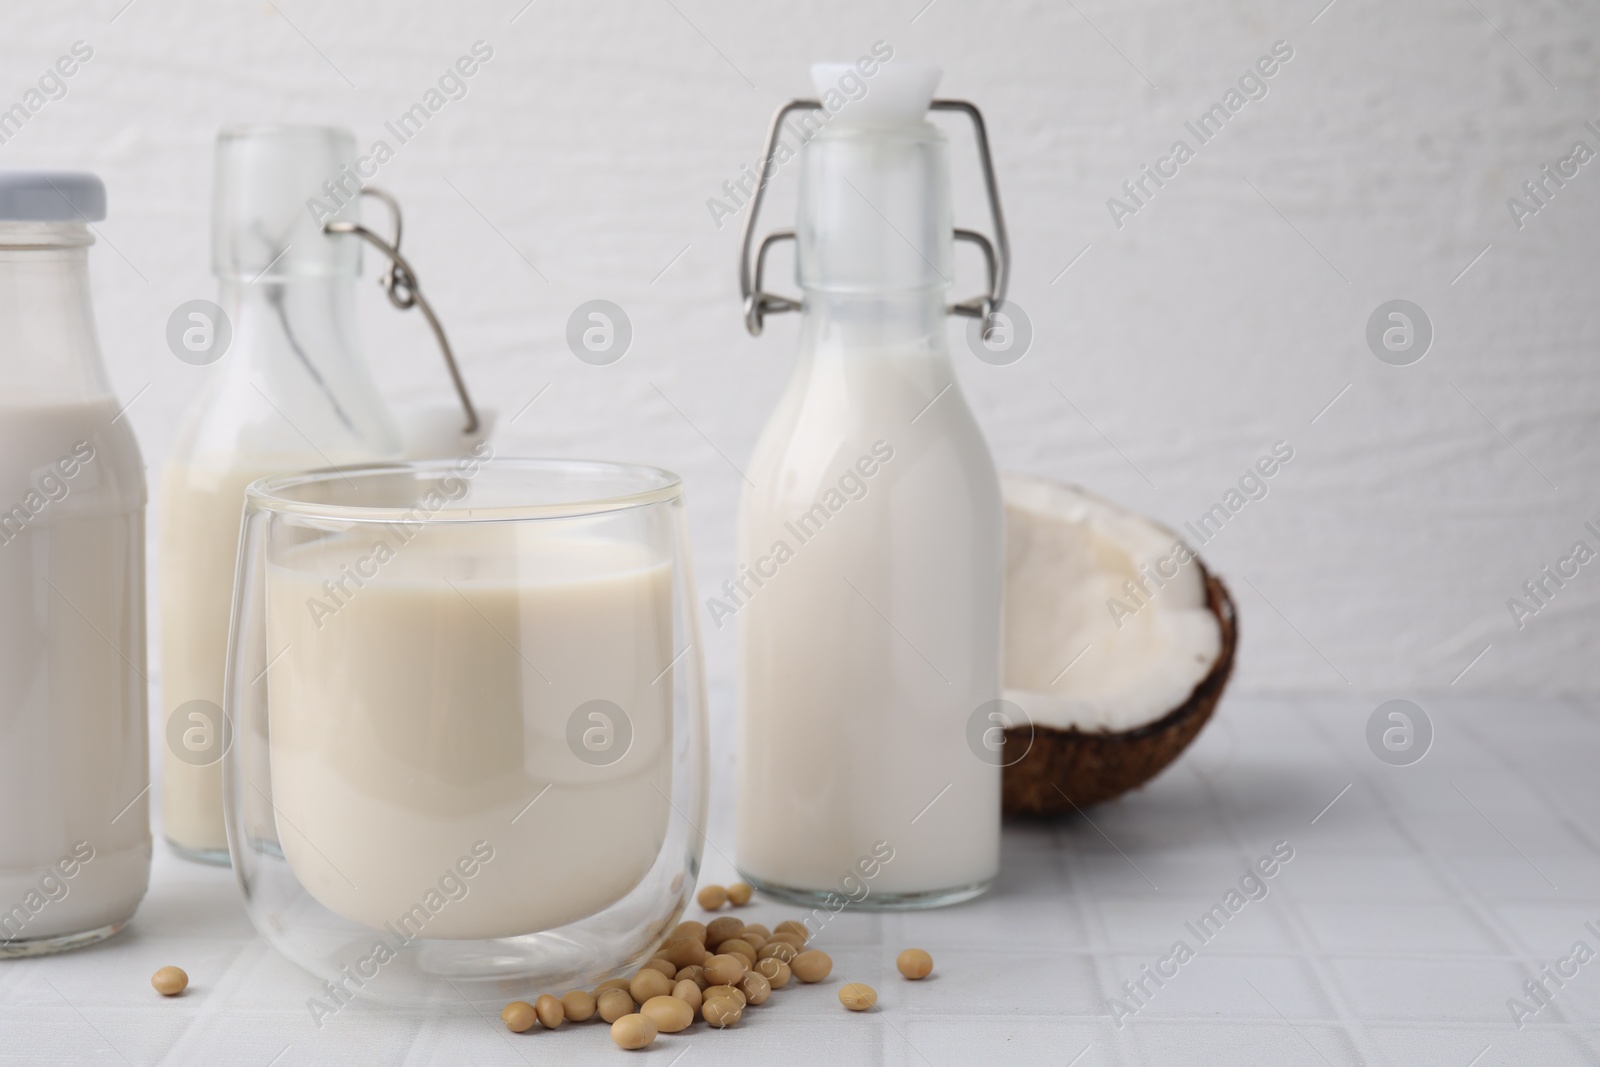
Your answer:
<point x="1573" y="822"/>
<point x="1310" y="955"/>
<point x="1564" y="816"/>
<point x="1086" y="903"/>
<point x="1463" y="897"/>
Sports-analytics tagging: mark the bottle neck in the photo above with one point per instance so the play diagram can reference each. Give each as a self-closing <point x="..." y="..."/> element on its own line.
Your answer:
<point x="51" y="349"/>
<point x="296" y="343"/>
<point x="308" y="320"/>
<point x="874" y="210"/>
<point x="873" y="242"/>
<point x="906" y="323"/>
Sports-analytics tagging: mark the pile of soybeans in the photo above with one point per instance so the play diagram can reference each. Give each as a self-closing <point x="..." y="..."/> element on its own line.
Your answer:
<point x="709" y="972"/>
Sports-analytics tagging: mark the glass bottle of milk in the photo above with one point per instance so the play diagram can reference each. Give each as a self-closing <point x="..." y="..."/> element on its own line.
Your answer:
<point x="74" y="768"/>
<point x="291" y="392"/>
<point x="868" y="588"/>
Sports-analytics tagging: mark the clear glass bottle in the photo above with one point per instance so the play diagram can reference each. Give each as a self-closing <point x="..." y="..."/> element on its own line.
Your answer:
<point x="292" y="392"/>
<point x="74" y="768"/>
<point x="868" y="596"/>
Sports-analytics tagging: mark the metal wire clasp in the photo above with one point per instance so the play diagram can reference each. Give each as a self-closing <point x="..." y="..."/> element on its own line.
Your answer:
<point x="758" y="303"/>
<point x="400" y="282"/>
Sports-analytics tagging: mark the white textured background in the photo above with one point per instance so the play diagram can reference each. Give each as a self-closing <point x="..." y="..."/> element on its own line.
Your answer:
<point x="1224" y="316"/>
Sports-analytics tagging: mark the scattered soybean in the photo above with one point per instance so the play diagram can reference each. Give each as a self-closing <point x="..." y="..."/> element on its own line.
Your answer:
<point x="170" y="981"/>
<point x="914" y="963"/>
<point x="858" y="997"/>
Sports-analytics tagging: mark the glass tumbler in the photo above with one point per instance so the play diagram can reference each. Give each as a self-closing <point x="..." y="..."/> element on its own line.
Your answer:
<point x="467" y="713"/>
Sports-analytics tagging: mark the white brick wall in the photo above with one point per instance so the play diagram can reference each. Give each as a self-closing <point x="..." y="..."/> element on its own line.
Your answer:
<point x="1221" y="317"/>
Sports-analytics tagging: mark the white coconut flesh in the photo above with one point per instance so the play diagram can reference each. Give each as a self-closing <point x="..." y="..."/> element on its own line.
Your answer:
<point x="1107" y="627"/>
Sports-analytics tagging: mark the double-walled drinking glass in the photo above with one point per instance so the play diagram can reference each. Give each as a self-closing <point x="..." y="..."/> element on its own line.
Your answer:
<point x="468" y="723"/>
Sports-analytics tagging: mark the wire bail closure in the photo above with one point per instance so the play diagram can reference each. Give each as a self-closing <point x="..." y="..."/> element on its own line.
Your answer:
<point x="758" y="303"/>
<point x="400" y="283"/>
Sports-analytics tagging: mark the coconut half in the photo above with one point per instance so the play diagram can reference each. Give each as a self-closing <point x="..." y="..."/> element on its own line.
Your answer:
<point x="1118" y="643"/>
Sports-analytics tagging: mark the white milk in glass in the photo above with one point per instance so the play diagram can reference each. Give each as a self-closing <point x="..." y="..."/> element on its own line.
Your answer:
<point x="862" y="654"/>
<point x="73" y="749"/>
<point x="422" y="711"/>
<point x="200" y="510"/>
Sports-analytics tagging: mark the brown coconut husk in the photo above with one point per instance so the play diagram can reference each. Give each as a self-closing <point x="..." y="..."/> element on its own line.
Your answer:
<point x="1065" y="770"/>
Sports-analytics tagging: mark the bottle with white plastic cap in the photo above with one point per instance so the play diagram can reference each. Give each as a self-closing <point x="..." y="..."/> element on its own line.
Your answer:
<point x="868" y="588"/>
<point x="74" y="768"/>
<point x="289" y="390"/>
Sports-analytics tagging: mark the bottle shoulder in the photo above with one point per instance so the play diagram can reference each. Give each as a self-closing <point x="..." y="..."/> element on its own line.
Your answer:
<point x="247" y="414"/>
<point x="921" y="439"/>
<point x="80" y="457"/>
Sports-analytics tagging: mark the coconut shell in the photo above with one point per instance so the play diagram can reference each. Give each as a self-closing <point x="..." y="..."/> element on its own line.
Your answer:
<point x="1064" y="770"/>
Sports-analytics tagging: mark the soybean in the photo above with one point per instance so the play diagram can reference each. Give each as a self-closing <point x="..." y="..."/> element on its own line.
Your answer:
<point x="665" y="966"/>
<point x="739" y="894"/>
<point x="721" y="929"/>
<point x="693" y="973"/>
<point x="726" y="992"/>
<point x="690" y="929"/>
<point x="914" y="963"/>
<point x="518" y="1016"/>
<point x="170" y="981"/>
<point x="712" y="897"/>
<point x="683" y="952"/>
<point x="724" y="969"/>
<point x="775" y="971"/>
<point x="614" y="1004"/>
<point x="633" y="1031"/>
<point x="577" y="1006"/>
<point x="648" y="983"/>
<point x="668" y="1013"/>
<point x="756" y="988"/>
<point x="777" y="950"/>
<point x="812" y="965"/>
<point x="738" y="946"/>
<point x="690" y="994"/>
<point x="858" y="997"/>
<point x="549" y="1011"/>
<point x="789" y="926"/>
<point x="721" y="1012"/>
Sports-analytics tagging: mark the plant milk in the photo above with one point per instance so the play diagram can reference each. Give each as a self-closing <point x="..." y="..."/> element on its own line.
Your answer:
<point x="424" y="698"/>
<point x="73" y="749"/>
<point x="200" y="511"/>
<point x="863" y="656"/>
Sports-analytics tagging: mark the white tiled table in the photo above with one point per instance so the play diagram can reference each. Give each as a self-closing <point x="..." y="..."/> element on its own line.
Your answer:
<point x="1413" y="910"/>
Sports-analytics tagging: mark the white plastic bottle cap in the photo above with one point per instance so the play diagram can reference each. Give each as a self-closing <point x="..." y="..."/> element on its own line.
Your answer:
<point x="898" y="92"/>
